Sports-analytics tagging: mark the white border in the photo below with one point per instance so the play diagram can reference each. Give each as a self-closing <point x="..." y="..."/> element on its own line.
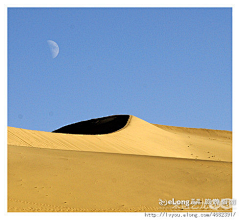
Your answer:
<point x="123" y="3"/>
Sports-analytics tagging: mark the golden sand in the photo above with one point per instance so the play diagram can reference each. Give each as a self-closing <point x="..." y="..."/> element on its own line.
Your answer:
<point x="128" y="170"/>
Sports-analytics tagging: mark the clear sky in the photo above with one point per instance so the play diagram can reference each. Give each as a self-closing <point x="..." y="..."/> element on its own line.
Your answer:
<point x="169" y="66"/>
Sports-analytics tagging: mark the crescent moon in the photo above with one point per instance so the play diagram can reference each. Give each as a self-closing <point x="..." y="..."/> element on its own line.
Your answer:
<point x="54" y="48"/>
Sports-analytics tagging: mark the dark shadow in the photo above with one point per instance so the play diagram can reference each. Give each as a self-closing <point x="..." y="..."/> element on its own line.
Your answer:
<point x="103" y="125"/>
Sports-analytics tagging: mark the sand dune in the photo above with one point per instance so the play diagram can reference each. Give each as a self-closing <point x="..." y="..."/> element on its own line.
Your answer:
<point x="126" y="170"/>
<point x="137" y="137"/>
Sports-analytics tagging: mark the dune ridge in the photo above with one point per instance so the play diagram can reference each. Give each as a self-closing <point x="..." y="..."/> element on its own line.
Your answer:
<point x="137" y="137"/>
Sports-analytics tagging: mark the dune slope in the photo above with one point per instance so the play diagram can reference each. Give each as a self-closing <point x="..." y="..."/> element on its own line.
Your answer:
<point x="59" y="180"/>
<point x="126" y="170"/>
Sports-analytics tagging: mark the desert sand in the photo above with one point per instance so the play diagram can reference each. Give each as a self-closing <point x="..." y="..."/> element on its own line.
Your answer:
<point x="127" y="170"/>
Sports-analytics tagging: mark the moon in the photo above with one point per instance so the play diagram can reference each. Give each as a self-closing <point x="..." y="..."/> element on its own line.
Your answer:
<point x="54" y="48"/>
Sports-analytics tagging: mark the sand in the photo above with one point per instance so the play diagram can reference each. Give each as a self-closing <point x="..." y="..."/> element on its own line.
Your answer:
<point x="127" y="170"/>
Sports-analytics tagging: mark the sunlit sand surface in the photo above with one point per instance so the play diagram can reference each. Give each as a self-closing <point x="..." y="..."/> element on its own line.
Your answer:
<point x="127" y="170"/>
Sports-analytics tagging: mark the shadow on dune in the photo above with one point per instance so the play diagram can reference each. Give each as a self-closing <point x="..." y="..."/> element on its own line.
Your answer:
<point x="103" y="125"/>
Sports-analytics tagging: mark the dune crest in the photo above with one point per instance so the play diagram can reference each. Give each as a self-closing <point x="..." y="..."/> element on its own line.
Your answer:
<point x="137" y="137"/>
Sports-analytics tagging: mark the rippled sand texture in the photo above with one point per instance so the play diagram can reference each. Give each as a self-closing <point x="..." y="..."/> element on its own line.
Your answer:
<point x="127" y="170"/>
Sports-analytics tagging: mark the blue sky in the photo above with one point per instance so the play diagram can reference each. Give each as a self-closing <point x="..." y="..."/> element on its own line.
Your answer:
<point x="170" y="66"/>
